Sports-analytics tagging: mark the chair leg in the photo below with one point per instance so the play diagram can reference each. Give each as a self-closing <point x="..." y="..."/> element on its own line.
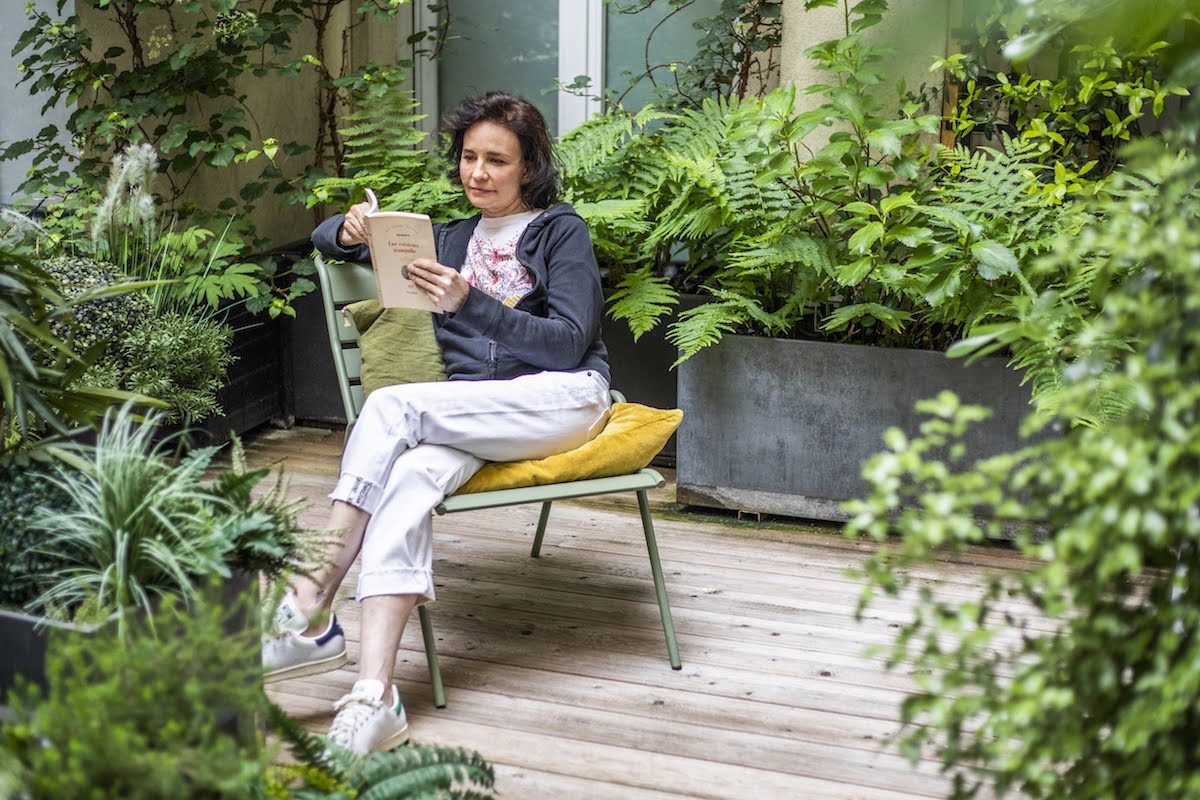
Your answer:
<point x="660" y="585"/>
<point x="541" y="529"/>
<point x="435" y="671"/>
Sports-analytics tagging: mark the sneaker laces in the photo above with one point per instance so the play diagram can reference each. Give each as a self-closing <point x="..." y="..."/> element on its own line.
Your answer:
<point x="352" y="711"/>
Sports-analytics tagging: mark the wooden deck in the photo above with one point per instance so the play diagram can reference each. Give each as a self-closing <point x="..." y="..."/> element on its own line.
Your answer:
<point x="556" y="670"/>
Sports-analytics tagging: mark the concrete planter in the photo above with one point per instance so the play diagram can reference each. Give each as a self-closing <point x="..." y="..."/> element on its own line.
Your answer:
<point x="782" y="427"/>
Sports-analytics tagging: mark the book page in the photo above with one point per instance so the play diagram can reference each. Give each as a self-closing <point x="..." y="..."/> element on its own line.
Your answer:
<point x="396" y="239"/>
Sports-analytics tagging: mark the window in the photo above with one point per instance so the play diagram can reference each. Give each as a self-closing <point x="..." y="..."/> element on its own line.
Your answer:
<point x="525" y="46"/>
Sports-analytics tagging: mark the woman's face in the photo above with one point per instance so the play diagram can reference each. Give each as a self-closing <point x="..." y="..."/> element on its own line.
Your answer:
<point x="491" y="169"/>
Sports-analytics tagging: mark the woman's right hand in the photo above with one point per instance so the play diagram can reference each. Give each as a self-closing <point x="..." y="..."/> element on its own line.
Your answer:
<point x="354" y="227"/>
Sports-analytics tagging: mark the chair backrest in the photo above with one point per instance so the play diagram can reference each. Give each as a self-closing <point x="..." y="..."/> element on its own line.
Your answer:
<point x="341" y="285"/>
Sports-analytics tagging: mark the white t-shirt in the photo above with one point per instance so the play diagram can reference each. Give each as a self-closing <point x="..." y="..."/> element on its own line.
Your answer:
<point x="491" y="264"/>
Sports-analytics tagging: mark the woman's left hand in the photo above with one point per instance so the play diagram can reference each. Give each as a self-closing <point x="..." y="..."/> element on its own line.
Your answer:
<point x="443" y="285"/>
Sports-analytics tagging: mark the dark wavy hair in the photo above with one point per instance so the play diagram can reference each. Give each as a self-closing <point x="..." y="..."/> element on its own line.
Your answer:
<point x="539" y="187"/>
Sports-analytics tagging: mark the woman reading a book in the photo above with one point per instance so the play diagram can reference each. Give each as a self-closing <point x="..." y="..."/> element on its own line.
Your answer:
<point x="519" y="294"/>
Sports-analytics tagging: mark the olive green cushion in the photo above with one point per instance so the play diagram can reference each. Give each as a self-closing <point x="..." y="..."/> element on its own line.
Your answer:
<point x="632" y="437"/>
<point x="397" y="345"/>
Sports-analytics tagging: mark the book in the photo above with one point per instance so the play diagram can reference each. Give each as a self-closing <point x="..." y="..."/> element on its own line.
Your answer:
<point x="396" y="239"/>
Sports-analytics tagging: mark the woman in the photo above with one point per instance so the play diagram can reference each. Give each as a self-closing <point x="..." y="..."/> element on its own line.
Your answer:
<point x="519" y="330"/>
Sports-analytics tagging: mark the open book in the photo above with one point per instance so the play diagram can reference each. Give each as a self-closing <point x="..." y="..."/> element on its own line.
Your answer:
<point x="396" y="239"/>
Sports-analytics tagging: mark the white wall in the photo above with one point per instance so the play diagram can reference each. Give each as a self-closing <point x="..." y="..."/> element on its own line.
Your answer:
<point x="20" y="118"/>
<point x="916" y="29"/>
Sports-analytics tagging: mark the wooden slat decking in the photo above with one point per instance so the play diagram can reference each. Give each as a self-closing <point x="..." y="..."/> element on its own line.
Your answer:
<point x="556" y="670"/>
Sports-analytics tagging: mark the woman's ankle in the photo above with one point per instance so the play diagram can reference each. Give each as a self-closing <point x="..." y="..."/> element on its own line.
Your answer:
<point x="317" y="614"/>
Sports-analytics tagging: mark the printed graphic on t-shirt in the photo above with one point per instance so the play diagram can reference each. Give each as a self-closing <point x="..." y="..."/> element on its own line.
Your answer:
<point x="492" y="267"/>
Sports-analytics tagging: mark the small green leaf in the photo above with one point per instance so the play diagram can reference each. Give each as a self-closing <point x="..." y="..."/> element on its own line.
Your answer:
<point x="861" y="209"/>
<point x="864" y="238"/>
<point x="993" y="259"/>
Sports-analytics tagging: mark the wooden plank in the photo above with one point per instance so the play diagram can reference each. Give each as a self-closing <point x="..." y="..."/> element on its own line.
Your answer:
<point x="556" y="668"/>
<point x="573" y="745"/>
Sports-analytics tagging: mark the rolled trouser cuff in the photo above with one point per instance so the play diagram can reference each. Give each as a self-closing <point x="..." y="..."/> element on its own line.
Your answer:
<point x="358" y="492"/>
<point x="397" y="580"/>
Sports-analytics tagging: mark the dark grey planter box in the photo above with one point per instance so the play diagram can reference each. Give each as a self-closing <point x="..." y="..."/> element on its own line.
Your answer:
<point x="312" y="376"/>
<point x="24" y="651"/>
<point x="782" y="426"/>
<point x="255" y="391"/>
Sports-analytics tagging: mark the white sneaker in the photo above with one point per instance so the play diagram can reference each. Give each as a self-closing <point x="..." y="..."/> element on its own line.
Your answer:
<point x="290" y="655"/>
<point x="365" y="723"/>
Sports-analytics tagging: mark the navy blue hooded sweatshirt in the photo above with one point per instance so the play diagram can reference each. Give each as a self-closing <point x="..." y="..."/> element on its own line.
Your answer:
<point x="556" y="326"/>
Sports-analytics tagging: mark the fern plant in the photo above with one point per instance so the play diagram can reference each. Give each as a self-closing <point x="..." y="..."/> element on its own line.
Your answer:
<point x="876" y="237"/>
<point x="385" y="153"/>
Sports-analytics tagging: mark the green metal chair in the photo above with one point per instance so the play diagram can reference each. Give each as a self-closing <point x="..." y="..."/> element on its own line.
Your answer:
<point x="348" y="283"/>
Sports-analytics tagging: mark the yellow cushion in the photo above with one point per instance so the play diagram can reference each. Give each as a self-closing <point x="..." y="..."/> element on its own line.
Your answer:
<point x="397" y="345"/>
<point x="630" y="440"/>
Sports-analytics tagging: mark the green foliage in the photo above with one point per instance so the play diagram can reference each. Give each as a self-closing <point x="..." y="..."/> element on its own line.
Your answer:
<point x="1074" y="677"/>
<point x="142" y="524"/>
<point x="143" y="716"/>
<point x="170" y="81"/>
<point x="268" y="537"/>
<point x="39" y="373"/>
<point x="846" y="222"/>
<point x="416" y="771"/>
<point x="1078" y="113"/>
<point x="194" y="269"/>
<point x="27" y="495"/>
<point x="106" y="320"/>
<point x="158" y="344"/>
<point x="177" y="358"/>
<point x="383" y="152"/>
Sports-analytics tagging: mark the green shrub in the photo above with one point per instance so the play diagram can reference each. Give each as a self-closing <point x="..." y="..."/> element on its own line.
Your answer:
<point x="1074" y="677"/>
<point x="27" y="495"/>
<point x="40" y="390"/>
<point x="104" y="319"/>
<point x="144" y="525"/>
<point x="181" y="359"/>
<point x="143" y="717"/>
<point x="177" y="356"/>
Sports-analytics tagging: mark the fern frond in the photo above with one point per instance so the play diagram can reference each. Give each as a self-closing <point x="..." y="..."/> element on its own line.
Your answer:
<point x="787" y="250"/>
<point x="642" y="299"/>
<point x="435" y="196"/>
<point x="703" y="326"/>
<point x="627" y="215"/>
<point x="588" y="145"/>
<point x="385" y="131"/>
<point x="305" y="746"/>
<point x="418" y="771"/>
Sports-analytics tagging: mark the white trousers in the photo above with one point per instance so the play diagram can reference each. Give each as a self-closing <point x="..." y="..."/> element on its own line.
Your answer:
<point x="414" y="444"/>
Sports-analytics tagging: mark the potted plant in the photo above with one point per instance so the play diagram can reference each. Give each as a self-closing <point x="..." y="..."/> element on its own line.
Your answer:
<point x="159" y="725"/>
<point x="819" y="255"/>
<point x="68" y="546"/>
<point x="43" y="402"/>
<point x="131" y="524"/>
